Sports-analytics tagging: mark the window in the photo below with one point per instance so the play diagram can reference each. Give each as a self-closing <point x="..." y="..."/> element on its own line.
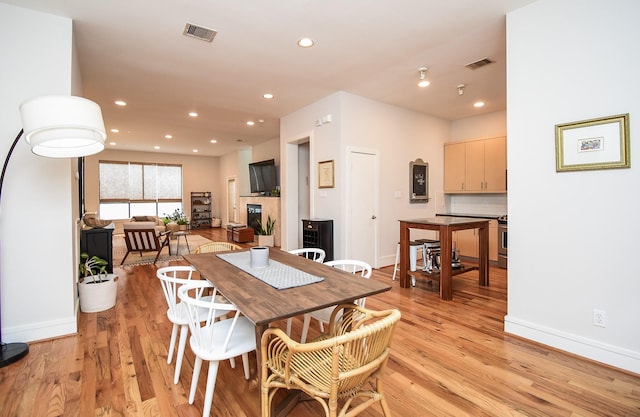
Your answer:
<point x="137" y="189"/>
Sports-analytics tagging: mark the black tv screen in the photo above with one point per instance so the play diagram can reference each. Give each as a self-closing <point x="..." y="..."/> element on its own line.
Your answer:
<point x="262" y="176"/>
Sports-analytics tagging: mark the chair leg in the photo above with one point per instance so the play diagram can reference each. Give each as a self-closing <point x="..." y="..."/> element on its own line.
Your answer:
<point x="245" y="365"/>
<point x="289" y="320"/>
<point x="197" y="365"/>
<point x="184" y="332"/>
<point x="125" y="257"/>
<point x="211" y="386"/>
<point x="395" y="266"/>
<point x="232" y="362"/>
<point x="172" y="343"/>
<point x="305" y="327"/>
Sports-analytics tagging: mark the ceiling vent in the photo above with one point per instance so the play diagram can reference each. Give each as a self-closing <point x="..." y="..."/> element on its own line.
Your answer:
<point x="479" y="64"/>
<point x="199" y="32"/>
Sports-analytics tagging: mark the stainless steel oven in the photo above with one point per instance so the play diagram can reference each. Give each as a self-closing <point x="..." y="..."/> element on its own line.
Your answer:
<point x="502" y="242"/>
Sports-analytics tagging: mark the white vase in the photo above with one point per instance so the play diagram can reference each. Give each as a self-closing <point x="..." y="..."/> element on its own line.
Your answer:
<point x="259" y="256"/>
<point x="265" y="240"/>
<point x="98" y="296"/>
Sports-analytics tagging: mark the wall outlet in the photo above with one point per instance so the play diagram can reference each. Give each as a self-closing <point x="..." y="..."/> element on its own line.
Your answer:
<point x="599" y="318"/>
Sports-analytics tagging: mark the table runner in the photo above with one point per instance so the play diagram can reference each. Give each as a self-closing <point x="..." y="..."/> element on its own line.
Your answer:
<point x="278" y="275"/>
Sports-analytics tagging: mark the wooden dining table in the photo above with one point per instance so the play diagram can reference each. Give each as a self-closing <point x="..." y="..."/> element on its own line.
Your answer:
<point x="263" y="304"/>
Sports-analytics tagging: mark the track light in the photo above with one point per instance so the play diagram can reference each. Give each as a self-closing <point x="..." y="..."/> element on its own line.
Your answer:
<point x="423" y="73"/>
<point x="461" y="89"/>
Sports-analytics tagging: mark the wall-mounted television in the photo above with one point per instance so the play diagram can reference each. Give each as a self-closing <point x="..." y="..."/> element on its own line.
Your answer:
<point x="263" y="177"/>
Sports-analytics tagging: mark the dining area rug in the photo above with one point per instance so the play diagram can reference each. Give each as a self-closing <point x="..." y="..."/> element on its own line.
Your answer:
<point x="134" y="258"/>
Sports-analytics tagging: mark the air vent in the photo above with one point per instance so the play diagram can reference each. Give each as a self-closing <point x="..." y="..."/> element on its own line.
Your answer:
<point x="478" y="64"/>
<point x="199" y="32"/>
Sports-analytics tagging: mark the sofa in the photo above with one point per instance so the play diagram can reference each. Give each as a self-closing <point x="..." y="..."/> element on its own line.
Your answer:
<point x="158" y="223"/>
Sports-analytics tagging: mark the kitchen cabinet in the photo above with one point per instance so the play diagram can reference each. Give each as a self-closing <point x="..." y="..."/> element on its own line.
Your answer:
<point x="467" y="241"/>
<point x="477" y="166"/>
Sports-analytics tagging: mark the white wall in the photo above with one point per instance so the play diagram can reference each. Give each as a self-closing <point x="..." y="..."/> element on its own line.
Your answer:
<point x="398" y="135"/>
<point x="38" y="214"/>
<point x="573" y="235"/>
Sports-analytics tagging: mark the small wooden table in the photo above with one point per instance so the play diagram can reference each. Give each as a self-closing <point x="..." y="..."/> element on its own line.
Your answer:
<point x="445" y="226"/>
<point x="178" y="235"/>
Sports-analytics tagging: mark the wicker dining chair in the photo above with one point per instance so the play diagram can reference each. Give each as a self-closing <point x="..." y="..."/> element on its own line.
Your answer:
<point x="216" y="247"/>
<point x="343" y="368"/>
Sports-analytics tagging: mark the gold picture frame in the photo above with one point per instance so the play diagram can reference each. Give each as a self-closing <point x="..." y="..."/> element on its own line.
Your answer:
<point x="601" y="143"/>
<point x="325" y="174"/>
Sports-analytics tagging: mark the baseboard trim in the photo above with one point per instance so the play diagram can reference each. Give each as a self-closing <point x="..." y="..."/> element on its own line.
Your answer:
<point x="40" y="331"/>
<point x="616" y="356"/>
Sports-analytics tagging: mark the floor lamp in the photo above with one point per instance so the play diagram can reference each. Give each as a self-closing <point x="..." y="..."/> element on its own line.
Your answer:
<point x="54" y="127"/>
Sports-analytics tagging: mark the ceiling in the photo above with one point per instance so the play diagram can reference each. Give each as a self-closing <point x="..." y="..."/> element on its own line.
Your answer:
<point x="136" y="51"/>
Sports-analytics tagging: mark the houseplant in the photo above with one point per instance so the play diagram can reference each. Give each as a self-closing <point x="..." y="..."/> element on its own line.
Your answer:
<point x="97" y="288"/>
<point x="176" y="221"/>
<point x="265" y="232"/>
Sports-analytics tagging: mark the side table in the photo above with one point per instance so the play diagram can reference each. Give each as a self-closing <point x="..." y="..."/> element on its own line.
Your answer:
<point x="178" y="235"/>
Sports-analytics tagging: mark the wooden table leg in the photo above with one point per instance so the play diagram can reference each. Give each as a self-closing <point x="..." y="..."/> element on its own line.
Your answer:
<point x="404" y="256"/>
<point x="446" y="286"/>
<point x="483" y="256"/>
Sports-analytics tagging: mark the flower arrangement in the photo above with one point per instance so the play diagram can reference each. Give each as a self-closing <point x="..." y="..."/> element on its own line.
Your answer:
<point x="177" y="217"/>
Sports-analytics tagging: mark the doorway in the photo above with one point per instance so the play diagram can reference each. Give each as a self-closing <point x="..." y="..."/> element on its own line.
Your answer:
<point x="232" y="209"/>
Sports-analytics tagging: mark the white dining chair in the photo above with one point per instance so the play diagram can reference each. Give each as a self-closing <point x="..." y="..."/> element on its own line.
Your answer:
<point x="172" y="278"/>
<point x="214" y="340"/>
<point x="315" y="254"/>
<point x="322" y="316"/>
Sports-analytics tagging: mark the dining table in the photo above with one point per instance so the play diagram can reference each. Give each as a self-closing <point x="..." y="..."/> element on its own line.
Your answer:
<point x="264" y="304"/>
<point x="445" y="226"/>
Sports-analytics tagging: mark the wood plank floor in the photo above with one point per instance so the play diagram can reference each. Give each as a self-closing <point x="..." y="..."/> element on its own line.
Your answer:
<point x="448" y="359"/>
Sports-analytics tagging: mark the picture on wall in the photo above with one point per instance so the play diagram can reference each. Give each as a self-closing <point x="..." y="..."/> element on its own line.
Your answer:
<point x="601" y="143"/>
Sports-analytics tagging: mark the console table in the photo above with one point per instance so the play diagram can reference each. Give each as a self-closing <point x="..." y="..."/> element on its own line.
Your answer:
<point x="445" y="226"/>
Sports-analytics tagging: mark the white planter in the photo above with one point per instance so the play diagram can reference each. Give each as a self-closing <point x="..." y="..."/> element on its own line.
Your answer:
<point x="95" y="297"/>
<point x="265" y="240"/>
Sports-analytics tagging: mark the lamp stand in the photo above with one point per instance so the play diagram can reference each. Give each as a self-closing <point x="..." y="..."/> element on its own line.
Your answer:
<point x="10" y="352"/>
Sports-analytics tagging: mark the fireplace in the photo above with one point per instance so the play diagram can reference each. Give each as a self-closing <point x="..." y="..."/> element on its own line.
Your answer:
<point x="254" y="215"/>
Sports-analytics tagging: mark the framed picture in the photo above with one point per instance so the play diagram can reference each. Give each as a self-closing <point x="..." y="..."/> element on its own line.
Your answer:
<point x="418" y="181"/>
<point x="601" y="143"/>
<point x="325" y="174"/>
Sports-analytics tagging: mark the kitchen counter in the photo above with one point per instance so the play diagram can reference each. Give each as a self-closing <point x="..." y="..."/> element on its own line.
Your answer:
<point x="472" y="215"/>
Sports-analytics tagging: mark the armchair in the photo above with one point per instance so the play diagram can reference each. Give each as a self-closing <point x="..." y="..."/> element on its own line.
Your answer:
<point x="336" y="369"/>
<point x="143" y="237"/>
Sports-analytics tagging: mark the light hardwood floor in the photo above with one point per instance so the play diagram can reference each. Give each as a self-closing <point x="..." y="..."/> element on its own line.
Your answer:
<point x="448" y="359"/>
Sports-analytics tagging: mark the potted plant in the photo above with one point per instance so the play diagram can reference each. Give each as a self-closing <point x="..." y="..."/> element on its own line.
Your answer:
<point x="179" y="218"/>
<point x="97" y="288"/>
<point x="265" y="233"/>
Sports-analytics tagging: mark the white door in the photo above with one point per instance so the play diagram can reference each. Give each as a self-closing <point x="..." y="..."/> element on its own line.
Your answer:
<point x="232" y="213"/>
<point x="363" y="206"/>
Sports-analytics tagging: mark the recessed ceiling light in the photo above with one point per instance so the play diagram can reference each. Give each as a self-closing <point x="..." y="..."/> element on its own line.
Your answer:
<point x="112" y="143"/>
<point x="114" y="131"/>
<point x="195" y="151"/>
<point x="193" y="114"/>
<point x="120" y="103"/>
<point x="478" y="104"/>
<point x="268" y="96"/>
<point x="305" y="42"/>
<point x="156" y="147"/>
<point x="250" y="123"/>
<point x="168" y="136"/>
<point x="213" y="141"/>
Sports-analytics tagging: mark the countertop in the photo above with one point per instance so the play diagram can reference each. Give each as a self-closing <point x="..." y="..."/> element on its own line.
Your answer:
<point x="472" y="215"/>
